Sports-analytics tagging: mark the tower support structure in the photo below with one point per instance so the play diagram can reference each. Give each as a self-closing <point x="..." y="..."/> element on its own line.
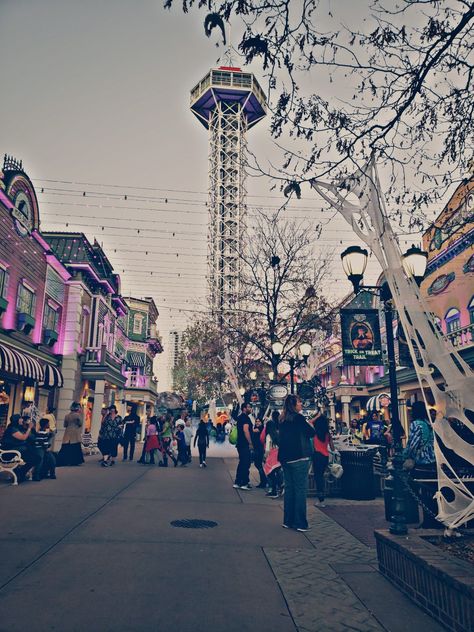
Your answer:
<point x="228" y="102"/>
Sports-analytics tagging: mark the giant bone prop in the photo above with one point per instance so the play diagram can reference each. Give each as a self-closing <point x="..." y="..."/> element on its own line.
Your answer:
<point x="454" y="395"/>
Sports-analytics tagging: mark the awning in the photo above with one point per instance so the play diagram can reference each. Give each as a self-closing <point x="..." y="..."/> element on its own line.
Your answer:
<point x="25" y="366"/>
<point x="21" y="364"/>
<point x="135" y="359"/>
<point x="52" y="377"/>
<point x="376" y="402"/>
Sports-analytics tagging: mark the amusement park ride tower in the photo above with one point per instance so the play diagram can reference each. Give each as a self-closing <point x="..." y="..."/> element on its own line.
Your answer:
<point x="227" y="102"/>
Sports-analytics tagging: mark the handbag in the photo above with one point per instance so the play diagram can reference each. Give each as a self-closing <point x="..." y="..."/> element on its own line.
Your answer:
<point x="233" y="435"/>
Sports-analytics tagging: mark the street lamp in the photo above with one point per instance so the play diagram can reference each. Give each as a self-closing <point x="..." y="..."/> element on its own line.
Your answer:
<point x="271" y="375"/>
<point x="277" y="348"/>
<point x="354" y="262"/>
<point x="253" y="375"/>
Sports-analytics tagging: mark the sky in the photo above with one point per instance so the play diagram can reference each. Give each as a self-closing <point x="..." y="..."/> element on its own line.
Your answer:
<point x="95" y="101"/>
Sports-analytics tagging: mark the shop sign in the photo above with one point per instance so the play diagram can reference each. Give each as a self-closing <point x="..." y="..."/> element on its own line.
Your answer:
<point x="277" y="392"/>
<point x="361" y="342"/>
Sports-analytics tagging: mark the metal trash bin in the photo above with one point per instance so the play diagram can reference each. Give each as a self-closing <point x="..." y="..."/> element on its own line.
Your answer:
<point x="358" y="481"/>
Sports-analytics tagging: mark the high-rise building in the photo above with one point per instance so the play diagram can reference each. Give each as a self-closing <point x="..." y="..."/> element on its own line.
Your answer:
<point x="174" y="351"/>
<point x="228" y="102"/>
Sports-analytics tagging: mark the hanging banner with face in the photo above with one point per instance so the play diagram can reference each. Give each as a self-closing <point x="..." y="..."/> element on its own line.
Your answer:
<point x="361" y="343"/>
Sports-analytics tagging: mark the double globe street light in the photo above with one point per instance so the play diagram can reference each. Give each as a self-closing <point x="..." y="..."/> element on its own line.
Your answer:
<point x="414" y="261"/>
<point x="305" y="350"/>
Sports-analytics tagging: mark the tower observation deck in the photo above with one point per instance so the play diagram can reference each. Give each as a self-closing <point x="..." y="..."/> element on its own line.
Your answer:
<point x="227" y="102"/>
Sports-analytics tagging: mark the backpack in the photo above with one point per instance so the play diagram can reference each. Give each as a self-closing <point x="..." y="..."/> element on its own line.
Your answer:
<point x="233" y="435"/>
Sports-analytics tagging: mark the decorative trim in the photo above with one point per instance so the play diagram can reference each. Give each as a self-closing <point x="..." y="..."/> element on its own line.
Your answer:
<point x="459" y="246"/>
<point x="441" y="283"/>
<point x="469" y="265"/>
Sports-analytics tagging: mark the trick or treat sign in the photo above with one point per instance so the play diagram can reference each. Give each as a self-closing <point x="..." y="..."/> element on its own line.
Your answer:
<point x="361" y="344"/>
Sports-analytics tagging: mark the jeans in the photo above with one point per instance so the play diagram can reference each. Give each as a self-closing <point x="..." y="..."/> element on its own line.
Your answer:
<point x="320" y="463"/>
<point x="46" y="466"/>
<point x="188" y="452"/>
<point x="258" y="462"/>
<point x="296" y="489"/>
<point x="275" y="480"/>
<point x="243" y="468"/>
<point x="202" y="447"/>
<point x="128" y="440"/>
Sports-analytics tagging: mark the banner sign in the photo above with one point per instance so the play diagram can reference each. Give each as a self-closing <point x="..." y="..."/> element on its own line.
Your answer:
<point x="277" y="393"/>
<point x="361" y="343"/>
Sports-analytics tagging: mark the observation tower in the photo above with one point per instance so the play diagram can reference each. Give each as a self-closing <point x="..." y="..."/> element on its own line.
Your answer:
<point x="228" y="102"/>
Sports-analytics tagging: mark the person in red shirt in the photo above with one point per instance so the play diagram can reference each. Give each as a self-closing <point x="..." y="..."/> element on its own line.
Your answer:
<point x="322" y="442"/>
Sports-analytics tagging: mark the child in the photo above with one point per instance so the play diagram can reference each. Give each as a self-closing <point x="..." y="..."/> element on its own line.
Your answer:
<point x="43" y="438"/>
<point x="182" y="450"/>
<point x="188" y="435"/>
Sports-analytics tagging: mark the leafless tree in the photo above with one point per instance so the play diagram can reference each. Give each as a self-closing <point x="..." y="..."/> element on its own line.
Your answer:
<point x="401" y="78"/>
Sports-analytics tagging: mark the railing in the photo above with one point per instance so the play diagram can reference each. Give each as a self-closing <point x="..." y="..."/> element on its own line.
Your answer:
<point x="100" y="355"/>
<point x="462" y="337"/>
<point x="142" y="382"/>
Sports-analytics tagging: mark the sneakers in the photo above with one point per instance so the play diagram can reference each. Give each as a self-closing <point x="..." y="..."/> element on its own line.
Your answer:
<point x="302" y="530"/>
<point x="200" y="465"/>
<point x="273" y="496"/>
<point x="246" y="487"/>
<point x="285" y="526"/>
<point x="235" y="486"/>
<point x="320" y="503"/>
<point x="204" y="464"/>
<point x="105" y="464"/>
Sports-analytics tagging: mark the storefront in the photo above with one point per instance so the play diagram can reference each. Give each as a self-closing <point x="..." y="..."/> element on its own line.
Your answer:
<point x="25" y="381"/>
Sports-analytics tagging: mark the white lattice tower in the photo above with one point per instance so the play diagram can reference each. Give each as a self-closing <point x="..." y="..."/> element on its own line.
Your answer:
<point x="227" y="210"/>
<point x="454" y="391"/>
<point x="228" y="102"/>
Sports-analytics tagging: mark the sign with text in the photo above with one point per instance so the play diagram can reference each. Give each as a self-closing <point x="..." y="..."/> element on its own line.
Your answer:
<point x="361" y="343"/>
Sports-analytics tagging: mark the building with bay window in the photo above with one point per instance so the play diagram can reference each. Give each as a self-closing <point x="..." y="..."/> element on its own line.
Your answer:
<point x="143" y="344"/>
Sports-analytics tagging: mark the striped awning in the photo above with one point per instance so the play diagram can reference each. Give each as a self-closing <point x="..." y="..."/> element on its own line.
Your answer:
<point x="135" y="359"/>
<point x="52" y="377"/>
<point x="19" y="363"/>
<point x="376" y="402"/>
<point x="23" y="365"/>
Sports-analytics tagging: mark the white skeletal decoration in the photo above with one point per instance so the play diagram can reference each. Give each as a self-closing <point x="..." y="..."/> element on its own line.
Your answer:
<point x="226" y="362"/>
<point x="358" y="198"/>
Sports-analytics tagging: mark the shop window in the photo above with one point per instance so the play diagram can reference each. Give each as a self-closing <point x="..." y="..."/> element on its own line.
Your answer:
<point x="453" y="320"/>
<point x="137" y="323"/>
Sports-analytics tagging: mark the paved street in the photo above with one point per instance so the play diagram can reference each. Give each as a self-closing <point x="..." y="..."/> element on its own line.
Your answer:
<point x="95" y="551"/>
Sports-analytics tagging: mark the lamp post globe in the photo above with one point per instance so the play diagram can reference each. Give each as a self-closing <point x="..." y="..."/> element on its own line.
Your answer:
<point x="305" y="349"/>
<point x="242" y="390"/>
<point x="414" y="263"/>
<point x="253" y="375"/>
<point x="354" y="263"/>
<point x="271" y="375"/>
<point x="277" y="348"/>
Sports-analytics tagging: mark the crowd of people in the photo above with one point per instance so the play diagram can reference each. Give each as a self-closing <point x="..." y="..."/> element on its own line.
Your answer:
<point x="281" y="447"/>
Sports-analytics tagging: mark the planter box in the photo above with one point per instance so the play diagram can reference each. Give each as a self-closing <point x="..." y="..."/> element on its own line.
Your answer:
<point x="440" y="584"/>
<point x="50" y="337"/>
<point x="25" y="322"/>
<point x="3" y="304"/>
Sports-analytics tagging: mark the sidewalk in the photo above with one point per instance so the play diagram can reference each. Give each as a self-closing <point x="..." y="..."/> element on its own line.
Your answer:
<point x="95" y="550"/>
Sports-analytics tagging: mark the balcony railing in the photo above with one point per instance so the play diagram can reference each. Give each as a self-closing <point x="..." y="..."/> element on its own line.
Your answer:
<point x="462" y="337"/>
<point x="144" y="382"/>
<point x="100" y="355"/>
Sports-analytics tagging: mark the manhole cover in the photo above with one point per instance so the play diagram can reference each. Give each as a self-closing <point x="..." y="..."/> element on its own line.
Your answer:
<point x="194" y="524"/>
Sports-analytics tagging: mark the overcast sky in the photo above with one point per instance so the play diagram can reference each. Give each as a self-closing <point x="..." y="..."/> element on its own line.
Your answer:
<point x="97" y="92"/>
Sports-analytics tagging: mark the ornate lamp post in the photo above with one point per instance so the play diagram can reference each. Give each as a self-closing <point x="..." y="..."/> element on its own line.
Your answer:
<point x="305" y="350"/>
<point x="354" y="263"/>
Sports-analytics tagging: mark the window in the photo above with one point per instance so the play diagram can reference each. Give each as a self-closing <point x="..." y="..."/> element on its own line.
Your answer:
<point x="50" y="318"/>
<point x="137" y="323"/>
<point x="470" y="308"/>
<point x="453" y="320"/>
<point x="3" y="283"/>
<point x="26" y="300"/>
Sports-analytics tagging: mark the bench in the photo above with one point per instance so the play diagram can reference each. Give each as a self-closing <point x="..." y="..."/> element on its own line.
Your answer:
<point x="9" y="461"/>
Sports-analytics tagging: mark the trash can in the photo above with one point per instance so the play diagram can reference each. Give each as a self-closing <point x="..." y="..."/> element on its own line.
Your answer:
<point x="358" y="481"/>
